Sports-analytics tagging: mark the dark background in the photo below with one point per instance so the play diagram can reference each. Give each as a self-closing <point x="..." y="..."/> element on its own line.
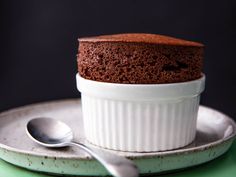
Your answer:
<point x="39" y="43"/>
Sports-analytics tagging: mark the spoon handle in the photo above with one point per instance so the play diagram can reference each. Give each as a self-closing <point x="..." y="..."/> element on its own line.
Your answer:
<point x="117" y="166"/>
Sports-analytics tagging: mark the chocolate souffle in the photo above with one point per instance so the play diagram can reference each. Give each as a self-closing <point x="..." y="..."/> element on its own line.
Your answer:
<point x="139" y="59"/>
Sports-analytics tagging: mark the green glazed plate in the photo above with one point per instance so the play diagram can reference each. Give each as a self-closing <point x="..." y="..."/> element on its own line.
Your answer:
<point x="215" y="134"/>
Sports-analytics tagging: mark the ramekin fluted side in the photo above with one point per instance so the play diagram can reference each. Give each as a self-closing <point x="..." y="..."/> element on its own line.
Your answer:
<point x="140" y="125"/>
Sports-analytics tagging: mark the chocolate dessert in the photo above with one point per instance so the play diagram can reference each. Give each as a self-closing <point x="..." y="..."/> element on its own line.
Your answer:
<point x="139" y="59"/>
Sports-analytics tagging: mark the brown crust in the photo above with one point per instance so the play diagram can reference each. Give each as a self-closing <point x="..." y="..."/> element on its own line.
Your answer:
<point x="140" y="38"/>
<point x="129" y="59"/>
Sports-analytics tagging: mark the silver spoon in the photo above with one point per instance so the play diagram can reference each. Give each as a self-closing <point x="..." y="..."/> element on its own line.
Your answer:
<point x="54" y="134"/>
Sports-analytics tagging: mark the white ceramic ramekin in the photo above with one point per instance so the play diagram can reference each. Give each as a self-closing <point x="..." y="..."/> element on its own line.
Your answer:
<point x="140" y="117"/>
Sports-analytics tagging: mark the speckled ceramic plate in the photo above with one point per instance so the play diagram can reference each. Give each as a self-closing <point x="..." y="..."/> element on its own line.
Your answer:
<point x="215" y="134"/>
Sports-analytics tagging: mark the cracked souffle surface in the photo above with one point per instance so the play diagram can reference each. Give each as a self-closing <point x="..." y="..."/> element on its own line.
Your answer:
<point x="139" y="58"/>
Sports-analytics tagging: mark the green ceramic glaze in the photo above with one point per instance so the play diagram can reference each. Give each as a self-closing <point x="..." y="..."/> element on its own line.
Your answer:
<point x="153" y="164"/>
<point x="222" y="166"/>
<point x="8" y="170"/>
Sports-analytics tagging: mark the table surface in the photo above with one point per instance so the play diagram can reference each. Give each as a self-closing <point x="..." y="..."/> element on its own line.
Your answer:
<point x="222" y="166"/>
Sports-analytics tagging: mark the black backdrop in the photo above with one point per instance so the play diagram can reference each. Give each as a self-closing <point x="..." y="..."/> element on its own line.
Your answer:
<point x="39" y="43"/>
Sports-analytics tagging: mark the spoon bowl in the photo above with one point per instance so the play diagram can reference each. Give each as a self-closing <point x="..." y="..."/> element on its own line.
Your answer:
<point x="52" y="134"/>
